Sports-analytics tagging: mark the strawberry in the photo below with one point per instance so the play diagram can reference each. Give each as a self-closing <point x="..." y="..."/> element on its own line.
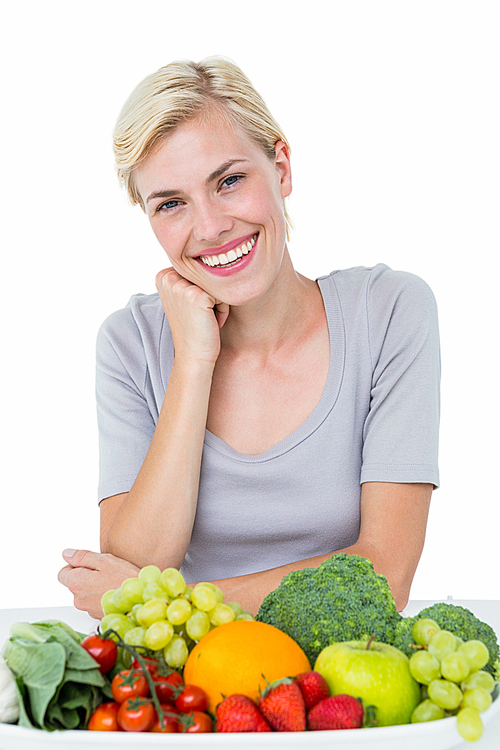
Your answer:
<point x="283" y="706"/>
<point x="336" y="712"/>
<point x="238" y="713"/>
<point x="314" y="688"/>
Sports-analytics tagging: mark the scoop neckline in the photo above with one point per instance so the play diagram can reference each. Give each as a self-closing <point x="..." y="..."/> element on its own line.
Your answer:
<point x="328" y="398"/>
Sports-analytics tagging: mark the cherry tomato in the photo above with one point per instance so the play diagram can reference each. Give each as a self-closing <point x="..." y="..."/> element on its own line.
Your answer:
<point x="135" y="715"/>
<point x="127" y="684"/>
<point x="168" y="686"/>
<point x="152" y="665"/>
<point x="192" y="698"/>
<point x="169" y="724"/>
<point x="104" y="718"/>
<point x="202" y="723"/>
<point x="102" y="650"/>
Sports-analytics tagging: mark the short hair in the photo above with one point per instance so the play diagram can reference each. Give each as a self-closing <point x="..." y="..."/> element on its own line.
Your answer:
<point x="183" y="91"/>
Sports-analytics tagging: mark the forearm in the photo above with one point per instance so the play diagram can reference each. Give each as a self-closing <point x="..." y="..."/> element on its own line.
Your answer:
<point x="251" y="589"/>
<point x="155" y="521"/>
<point x="397" y="566"/>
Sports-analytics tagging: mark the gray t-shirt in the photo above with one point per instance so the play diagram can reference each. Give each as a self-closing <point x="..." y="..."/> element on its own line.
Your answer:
<point x="377" y="420"/>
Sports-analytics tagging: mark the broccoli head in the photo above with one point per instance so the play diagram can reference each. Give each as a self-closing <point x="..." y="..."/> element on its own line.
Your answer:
<point x="457" y="620"/>
<point x="341" y="600"/>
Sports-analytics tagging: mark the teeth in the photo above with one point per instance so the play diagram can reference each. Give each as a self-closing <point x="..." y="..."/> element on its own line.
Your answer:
<point x="225" y="258"/>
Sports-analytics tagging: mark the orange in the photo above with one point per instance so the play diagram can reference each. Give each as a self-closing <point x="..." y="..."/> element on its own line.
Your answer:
<point x="241" y="657"/>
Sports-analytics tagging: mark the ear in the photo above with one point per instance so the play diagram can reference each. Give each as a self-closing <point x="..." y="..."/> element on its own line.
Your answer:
<point x="283" y="167"/>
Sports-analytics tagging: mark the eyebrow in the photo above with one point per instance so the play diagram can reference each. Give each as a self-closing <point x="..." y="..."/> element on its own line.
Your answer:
<point x="218" y="172"/>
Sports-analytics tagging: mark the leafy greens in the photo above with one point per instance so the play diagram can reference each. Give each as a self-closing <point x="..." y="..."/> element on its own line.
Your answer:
<point x="59" y="684"/>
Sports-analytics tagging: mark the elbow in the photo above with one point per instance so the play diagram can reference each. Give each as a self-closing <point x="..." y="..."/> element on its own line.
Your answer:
<point x="401" y="599"/>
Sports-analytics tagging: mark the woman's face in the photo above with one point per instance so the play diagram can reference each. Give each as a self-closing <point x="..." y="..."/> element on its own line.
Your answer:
<point x="215" y="202"/>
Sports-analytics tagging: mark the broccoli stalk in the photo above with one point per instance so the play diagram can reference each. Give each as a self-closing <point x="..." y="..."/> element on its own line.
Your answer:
<point x="341" y="600"/>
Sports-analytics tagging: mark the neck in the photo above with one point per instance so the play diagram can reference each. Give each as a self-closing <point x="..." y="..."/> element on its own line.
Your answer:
<point x="265" y="325"/>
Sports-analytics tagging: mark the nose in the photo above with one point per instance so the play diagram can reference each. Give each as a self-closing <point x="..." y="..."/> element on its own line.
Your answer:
<point x="210" y="222"/>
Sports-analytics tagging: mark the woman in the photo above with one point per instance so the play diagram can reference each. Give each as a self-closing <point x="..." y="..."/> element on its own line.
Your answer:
<point x="252" y="421"/>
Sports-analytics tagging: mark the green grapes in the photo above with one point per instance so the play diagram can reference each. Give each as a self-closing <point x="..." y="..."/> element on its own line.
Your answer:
<point x="153" y="590"/>
<point x="173" y="582"/>
<point x="176" y="653"/>
<point x="427" y="711"/>
<point x="479" y="679"/>
<point x="179" y="611"/>
<point x="469" y="724"/>
<point x="150" y="574"/>
<point x="204" y="597"/>
<point x="442" y="643"/>
<point x="198" y="625"/>
<point x="445" y="694"/>
<point x="158" y="611"/>
<point x="477" y="698"/>
<point x="221" y="614"/>
<point x="151" y="611"/>
<point x="133" y="589"/>
<point x="424" y="667"/>
<point x="453" y="681"/>
<point x="455" y="667"/>
<point x="423" y="630"/>
<point x="158" y="635"/>
<point x="135" y="637"/>
<point x="476" y="654"/>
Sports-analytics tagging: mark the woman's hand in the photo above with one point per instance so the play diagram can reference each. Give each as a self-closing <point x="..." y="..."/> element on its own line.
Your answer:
<point x="88" y="575"/>
<point x="194" y="316"/>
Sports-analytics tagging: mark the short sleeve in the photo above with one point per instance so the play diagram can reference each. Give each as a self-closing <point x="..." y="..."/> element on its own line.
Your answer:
<point x="126" y="424"/>
<point x="400" y="437"/>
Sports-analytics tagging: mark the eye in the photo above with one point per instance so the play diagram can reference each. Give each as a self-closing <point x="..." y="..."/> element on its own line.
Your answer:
<point x="168" y="205"/>
<point x="231" y="180"/>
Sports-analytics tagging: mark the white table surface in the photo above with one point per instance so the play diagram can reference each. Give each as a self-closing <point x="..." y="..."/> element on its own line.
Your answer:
<point x="486" y="610"/>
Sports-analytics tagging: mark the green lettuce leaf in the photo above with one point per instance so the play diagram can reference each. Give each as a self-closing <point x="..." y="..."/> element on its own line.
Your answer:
<point x="41" y="667"/>
<point x="59" y="684"/>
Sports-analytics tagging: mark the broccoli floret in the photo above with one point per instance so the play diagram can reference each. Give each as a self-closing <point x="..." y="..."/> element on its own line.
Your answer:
<point x="341" y="600"/>
<point x="457" y="620"/>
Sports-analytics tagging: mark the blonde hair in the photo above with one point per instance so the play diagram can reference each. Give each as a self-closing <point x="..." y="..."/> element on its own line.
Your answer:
<point x="182" y="91"/>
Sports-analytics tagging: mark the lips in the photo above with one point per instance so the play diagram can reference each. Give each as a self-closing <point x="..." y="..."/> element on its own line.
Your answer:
<point x="231" y="256"/>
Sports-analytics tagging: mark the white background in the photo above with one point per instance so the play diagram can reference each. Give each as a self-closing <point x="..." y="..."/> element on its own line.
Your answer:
<point x="392" y="111"/>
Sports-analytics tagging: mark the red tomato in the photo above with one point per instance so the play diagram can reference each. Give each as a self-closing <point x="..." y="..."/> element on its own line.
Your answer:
<point x="102" y="650"/>
<point x="151" y="665"/>
<point x="192" y="698"/>
<point x="168" y="686"/>
<point x="202" y="723"/>
<point x="135" y="715"/>
<point x="169" y="723"/>
<point x="127" y="684"/>
<point x="104" y="718"/>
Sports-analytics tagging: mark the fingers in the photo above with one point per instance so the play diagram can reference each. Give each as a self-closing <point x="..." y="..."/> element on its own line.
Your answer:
<point x="63" y="575"/>
<point x="82" y="558"/>
<point x="166" y="275"/>
<point x="221" y="310"/>
<point x="88" y="575"/>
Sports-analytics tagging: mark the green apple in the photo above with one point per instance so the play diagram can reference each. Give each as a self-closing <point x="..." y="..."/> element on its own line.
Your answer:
<point x="377" y="673"/>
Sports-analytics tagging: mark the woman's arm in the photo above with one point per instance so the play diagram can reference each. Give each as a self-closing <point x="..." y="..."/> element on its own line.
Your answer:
<point x="153" y="522"/>
<point x="392" y="534"/>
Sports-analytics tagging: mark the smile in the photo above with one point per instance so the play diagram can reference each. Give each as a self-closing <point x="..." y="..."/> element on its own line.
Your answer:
<point x="231" y="256"/>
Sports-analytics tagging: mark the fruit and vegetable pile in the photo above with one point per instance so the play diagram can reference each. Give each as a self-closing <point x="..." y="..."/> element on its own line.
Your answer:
<point x="327" y="651"/>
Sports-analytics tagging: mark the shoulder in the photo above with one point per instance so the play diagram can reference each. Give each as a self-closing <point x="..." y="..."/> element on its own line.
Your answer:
<point x="141" y="311"/>
<point x="128" y="329"/>
<point x="382" y="287"/>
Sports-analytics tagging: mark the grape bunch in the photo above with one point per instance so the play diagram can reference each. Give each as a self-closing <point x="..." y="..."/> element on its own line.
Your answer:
<point x="159" y="612"/>
<point x="453" y="681"/>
